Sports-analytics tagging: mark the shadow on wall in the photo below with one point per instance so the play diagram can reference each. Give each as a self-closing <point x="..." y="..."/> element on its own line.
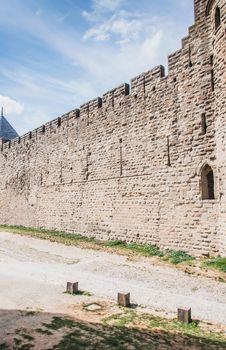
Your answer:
<point x="26" y="329"/>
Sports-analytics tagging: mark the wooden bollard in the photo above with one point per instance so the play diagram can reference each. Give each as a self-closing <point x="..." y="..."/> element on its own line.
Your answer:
<point x="184" y="315"/>
<point x="124" y="299"/>
<point x="72" y="288"/>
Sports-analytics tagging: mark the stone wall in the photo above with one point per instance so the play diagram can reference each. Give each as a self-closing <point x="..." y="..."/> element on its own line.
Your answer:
<point x="128" y="166"/>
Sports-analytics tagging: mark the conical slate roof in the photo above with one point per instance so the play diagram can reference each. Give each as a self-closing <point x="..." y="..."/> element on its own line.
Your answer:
<point x="6" y="130"/>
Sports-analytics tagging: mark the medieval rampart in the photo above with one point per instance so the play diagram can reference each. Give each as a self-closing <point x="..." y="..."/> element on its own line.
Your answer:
<point x="130" y="165"/>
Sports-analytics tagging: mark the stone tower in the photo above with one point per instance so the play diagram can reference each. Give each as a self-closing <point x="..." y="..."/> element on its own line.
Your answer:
<point x="216" y="12"/>
<point x="7" y="132"/>
<point x="210" y="19"/>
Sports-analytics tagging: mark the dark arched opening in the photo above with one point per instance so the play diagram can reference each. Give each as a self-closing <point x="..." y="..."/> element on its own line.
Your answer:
<point x="207" y="183"/>
<point x="217" y="17"/>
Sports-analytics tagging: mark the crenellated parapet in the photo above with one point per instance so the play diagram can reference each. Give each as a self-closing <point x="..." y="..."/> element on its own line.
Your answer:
<point x="148" y="82"/>
<point x="145" y="83"/>
<point x="114" y="97"/>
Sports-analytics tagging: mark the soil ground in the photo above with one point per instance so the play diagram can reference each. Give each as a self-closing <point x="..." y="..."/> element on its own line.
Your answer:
<point x="33" y="276"/>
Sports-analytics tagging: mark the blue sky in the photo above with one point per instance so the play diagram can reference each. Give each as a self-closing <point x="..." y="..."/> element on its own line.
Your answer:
<point x="58" y="54"/>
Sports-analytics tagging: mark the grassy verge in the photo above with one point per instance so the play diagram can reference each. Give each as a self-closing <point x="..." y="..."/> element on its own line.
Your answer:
<point x="217" y="263"/>
<point x="148" y="250"/>
<point x="131" y="330"/>
<point x="130" y="318"/>
<point x="120" y="247"/>
<point x="174" y="257"/>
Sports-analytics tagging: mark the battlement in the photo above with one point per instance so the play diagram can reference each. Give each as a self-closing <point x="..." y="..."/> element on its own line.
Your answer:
<point x="115" y="96"/>
<point x="147" y="80"/>
<point x="145" y="83"/>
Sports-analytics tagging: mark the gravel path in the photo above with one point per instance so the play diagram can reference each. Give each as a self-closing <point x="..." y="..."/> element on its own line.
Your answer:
<point x="33" y="274"/>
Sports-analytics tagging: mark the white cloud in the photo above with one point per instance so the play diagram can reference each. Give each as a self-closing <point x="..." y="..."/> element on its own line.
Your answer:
<point x="10" y="106"/>
<point x="118" y="25"/>
<point x="98" y="34"/>
<point x="109" y="5"/>
<point x="101" y="8"/>
<point x="123" y="29"/>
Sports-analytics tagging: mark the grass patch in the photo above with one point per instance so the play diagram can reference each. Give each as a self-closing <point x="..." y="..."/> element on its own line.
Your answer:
<point x="119" y="244"/>
<point x="51" y="235"/>
<point x="20" y="346"/>
<point x="17" y="341"/>
<point x="130" y="318"/>
<point x="27" y="336"/>
<point x="58" y="323"/>
<point x="147" y="249"/>
<point x="177" y="257"/>
<point x="80" y="292"/>
<point x="25" y="347"/>
<point x="132" y="330"/>
<point x="217" y="263"/>
<point x="122" y="319"/>
<point x="43" y="331"/>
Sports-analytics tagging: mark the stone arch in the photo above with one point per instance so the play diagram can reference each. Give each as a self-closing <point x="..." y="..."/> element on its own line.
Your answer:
<point x="209" y="6"/>
<point x="207" y="182"/>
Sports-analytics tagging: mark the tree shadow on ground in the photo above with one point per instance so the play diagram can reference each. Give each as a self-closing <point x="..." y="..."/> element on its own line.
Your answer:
<point x="26" y="330"/>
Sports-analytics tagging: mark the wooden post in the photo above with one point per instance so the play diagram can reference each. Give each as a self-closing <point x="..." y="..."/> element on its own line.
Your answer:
<point x="184" y="315"/>
<point x="72" y="288"/>
<point x="124" y="299"/>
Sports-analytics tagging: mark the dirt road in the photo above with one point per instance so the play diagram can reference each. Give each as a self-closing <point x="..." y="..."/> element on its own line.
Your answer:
<point x="33" y="275"/>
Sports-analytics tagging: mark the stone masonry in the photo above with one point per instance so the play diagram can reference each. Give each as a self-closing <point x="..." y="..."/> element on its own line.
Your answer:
<point x="146" y="163"/>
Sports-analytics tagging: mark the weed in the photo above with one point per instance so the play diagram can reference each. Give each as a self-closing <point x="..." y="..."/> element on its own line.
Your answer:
<point x="26" y="336"/>
<point x="177" y="257"/>
<point x="217" y="263"/>
<point x="148" y="249"/>
<point x="122" y="319"/>
<point x="58" y="323"/>
<point x="43" y="331"/>
<point x="80" y="292"/>
<point x="17" y="341"/>
<point x="116" y="244"/>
